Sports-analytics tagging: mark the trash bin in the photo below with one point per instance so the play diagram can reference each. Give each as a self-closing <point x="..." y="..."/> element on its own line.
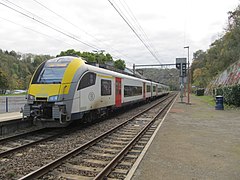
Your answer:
<point x="219" y="103"/>
<point x="200" y="92"/>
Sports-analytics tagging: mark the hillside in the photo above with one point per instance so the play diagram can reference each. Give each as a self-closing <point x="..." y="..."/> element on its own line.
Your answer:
<point x="16" y="69"/>
<point x="169" y="77"/>
<point x="228" y="78"/>
<point x="223" y="52"/>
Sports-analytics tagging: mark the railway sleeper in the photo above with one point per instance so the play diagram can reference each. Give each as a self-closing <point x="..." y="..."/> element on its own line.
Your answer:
<point x="122" y="138"/>
<point x="128" y="133"/>
<point x="73" y="177"/>
<point x="96" y="162"/>
<point x="102" y="155"/>
<point x="123" y="135"/>
<point x="120" y="171"/>
<point x="104" y="144"/>
<point x="105" y="150"/>
<point x="119" y="142"/>
<point x="83" y="168"/>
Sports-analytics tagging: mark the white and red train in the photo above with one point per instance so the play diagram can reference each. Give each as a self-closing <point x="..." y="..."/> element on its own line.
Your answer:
<point x="65" y="89"/>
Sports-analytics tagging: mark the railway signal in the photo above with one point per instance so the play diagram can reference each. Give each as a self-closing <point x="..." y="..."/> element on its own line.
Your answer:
<point x="184" y="69"/>
<point x="181" y="65"/>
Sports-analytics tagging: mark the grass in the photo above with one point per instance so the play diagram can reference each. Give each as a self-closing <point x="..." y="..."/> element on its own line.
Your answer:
<point x="208" y="99"/>
<point x="211" y="101"/>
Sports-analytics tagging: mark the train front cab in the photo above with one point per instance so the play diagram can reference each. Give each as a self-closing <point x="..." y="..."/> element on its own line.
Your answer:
<point x="49" y="91"/>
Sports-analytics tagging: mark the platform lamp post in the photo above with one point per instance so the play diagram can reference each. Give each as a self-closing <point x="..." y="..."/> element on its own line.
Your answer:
<point x="188" y="98"/>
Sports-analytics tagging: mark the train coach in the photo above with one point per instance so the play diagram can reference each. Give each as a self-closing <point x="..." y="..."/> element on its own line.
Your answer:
<point x="65" y="89"/>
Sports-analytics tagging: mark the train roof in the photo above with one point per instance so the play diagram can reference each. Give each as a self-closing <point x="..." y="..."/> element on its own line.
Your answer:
<point x="91" y="67"/>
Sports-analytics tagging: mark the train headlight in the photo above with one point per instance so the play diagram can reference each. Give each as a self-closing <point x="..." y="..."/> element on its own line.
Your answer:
<point x="53" y="98"/>
<point x="31" y="97"/>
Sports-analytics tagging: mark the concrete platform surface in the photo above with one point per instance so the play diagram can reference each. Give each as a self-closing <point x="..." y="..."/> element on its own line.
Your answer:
<point x="194" y="142"/>
<point x="10" y="116"/>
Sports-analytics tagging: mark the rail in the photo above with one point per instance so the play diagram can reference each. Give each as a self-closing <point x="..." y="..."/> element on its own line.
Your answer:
<point x="45" y="169"/>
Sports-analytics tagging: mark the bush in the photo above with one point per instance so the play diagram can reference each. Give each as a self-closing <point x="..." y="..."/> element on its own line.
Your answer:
<point x="200" y="92"/>
<point x="231" y="94"/>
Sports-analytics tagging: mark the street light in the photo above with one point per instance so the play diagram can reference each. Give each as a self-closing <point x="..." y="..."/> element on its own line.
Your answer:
<point x="188" y="99"/>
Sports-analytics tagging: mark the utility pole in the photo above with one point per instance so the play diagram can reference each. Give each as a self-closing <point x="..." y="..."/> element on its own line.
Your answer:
<point x="188" y="98"/>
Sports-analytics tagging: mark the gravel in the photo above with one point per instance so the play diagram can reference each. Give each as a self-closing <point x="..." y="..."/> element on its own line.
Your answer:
<point x="32" y="158"/>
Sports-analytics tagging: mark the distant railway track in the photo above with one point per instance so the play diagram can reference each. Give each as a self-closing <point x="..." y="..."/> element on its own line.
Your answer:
<point x="112" y="153"/>
<point x="17" y="142"/>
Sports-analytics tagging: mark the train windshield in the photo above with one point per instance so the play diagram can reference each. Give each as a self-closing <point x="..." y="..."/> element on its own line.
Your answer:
<point x="52" y="73"/>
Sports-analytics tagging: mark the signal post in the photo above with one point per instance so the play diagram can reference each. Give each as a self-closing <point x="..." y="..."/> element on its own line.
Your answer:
<point x="181" y="64"/>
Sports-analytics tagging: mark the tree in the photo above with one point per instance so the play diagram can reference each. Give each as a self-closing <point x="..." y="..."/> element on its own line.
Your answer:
<point x="89" y="57"/>
<point x="233" y="19"/>
<point x="3" y="81"/>
<point x="70" y="52"/>
<point x="109" y="57"/>
<point x="223" y="52"/>
<point x="14" y="54"/>
<point x="119" y="64"/>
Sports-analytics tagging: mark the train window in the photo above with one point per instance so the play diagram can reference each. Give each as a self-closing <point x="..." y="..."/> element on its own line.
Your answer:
<point x="37" y="73"/>
<point x="132" y="91"/>
<point x="106" y="87"/>
<point x="159" y="89"/>
<point x="87" y="80"/>
<point x="148" y="88"/>
<point x="154" y="88"/>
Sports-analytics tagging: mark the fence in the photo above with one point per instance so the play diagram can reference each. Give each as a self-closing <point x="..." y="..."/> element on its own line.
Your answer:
<point x="11" y="103"/>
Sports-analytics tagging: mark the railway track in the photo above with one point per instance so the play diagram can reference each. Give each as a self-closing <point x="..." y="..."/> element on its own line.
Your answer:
<point x="110" y="155"/>
<point x="15" y="143"/>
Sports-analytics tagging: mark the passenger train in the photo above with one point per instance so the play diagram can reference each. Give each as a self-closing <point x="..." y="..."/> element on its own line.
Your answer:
<point x="66" y="88"/>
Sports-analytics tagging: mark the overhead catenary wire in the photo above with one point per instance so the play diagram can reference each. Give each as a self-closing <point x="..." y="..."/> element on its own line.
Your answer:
<point x="34" y="15"/>
<point x="34" y="30"/>
<point x="66" y="20"/>
<point x="49" y="26"/>
<point x="134" y="31"/>
<point x="134" y="19"/>
<point x="76" y="26"/>
<point x="36" y="18"/>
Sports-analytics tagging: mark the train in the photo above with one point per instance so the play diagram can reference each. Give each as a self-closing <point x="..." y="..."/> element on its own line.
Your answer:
<point x="66" y="89"/>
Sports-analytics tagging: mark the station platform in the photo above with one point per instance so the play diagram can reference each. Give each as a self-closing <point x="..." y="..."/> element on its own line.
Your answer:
<point x="12" y="122"/>
<point x="10" y="116"/>
<point x="194" y="142"/>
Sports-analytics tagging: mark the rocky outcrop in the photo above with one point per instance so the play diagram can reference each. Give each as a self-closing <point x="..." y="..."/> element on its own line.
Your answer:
<point x="229" y="77"/>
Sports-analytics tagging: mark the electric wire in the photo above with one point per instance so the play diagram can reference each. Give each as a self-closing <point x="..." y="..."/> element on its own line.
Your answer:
<point x="97" y="40"/>
<point x="74" y="25"/>
<point x="139" y="27"/>
<point x="31" y="14"/>
<point x="34" y="30"/>
<point x="49" y="26"/>
<point x="130" y="13"/>
<point x="66" y="20"/>
<point x="134" y="31"/>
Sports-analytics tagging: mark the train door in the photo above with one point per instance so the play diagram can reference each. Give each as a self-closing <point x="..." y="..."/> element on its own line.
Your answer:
<point x="118" y="93"/>
<point x="156" y="90"/>
<point x="151" y="89"/>
<point x="144" y="90"/>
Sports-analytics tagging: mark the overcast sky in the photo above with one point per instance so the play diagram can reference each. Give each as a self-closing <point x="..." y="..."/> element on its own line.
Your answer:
<point x="169" y="25"/>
